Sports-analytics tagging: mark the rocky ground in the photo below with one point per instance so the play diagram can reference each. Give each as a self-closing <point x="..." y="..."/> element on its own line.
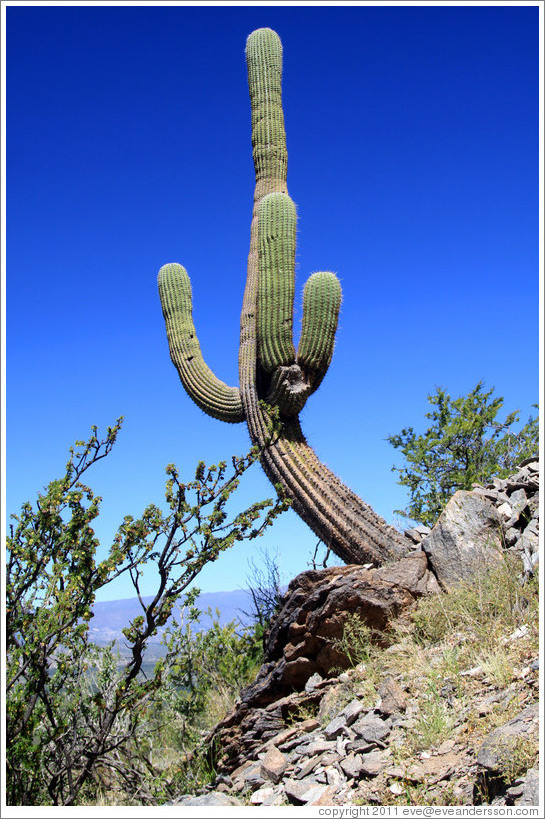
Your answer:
<point x="410" y="684"/>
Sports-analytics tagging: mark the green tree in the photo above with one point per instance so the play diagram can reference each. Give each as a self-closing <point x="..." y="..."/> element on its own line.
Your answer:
<point x="465" y="443"/>
<point x="62" y="732"/>
<point x="212" y="666"/>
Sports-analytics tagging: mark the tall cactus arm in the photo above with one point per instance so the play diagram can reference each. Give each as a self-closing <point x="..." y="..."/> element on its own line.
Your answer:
<point x="336" y="514"/>
<point x="322" y="298"/>
<point x="207" y="391"/>
<point x="276" y="228"/>
<point x="292" y="381"/>
<point x="264" y="61"/>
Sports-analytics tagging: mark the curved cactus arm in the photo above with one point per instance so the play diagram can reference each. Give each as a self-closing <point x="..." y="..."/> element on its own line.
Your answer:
<point x="276" y="226"/>
<point x="322" y="298"/>
<point x="200" y="383"/>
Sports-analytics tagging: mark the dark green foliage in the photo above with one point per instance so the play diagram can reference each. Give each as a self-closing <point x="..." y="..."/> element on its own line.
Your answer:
<point x="465" y="443"/>
<point x="62" y="726"/>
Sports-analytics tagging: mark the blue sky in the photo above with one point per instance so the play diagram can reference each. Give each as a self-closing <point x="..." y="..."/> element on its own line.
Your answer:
<point x="413" y="142"/>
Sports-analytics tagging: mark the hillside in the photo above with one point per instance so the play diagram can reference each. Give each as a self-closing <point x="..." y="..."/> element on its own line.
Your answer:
<point x="416" y="683"/>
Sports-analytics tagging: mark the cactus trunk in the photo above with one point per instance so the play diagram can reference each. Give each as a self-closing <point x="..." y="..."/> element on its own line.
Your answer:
<point x="272" y="374"/>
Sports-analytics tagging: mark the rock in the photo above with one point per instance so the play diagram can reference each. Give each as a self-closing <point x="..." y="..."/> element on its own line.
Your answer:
<point x="411" y="574"/>
<point x="298" y="790"/>
<point x="316" y="793"/>
<point x="530" y="790"/>
<point x="359" y="746"/>
<point x="498" y="746"/>
<point x="346" y="751"/>
<point x="416" y="534"/>
<point x="262" y="796"/>
<point x="236" y="774"/>
<point x="492" y="494"/>
<point x="322" y="796"/>
<point x="307" y="767"/>
<point x="396" y="789"/>
<point x="519" y="503"/>
<point x="304" y="644"/>
<point x="466" y="537"/>
<point x="532" y="527"/>
<point x="528" y="544"/>
<point x="313" y="681"/>
<point x="352" y="711"/>
<point x="506" y="510"/>
<point x="334" y="777"/>
<point x="392" y="697"/>
<point x="511" y="536"/>
<point x="340" y="747"/>
<point x="430" y="769"/>
<point x="371" y="728"/>
<point x="351" y="765"/>
<point x="301" y="641"/>
<point x="316" y="746"/>
<point x="212" y="799"/>
<point x="278" y="798"/>
<point x="251" y="777"/>
<point x="297" y="672"/>
<point x="446" y="747"/>
<point x="292" y="736"/>
<point x="422" y="530"/>
<point x="273" y="765"/>
<point x="373" y="763"/>
<point x="516" y="500"/>
<point x="335" y="727"/>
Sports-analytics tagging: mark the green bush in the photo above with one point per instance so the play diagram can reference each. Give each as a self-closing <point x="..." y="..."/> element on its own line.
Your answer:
<point x="465" y="443"/>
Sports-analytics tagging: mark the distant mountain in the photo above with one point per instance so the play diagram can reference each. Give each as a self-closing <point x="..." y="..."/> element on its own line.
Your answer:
<point x="112" y="616"/>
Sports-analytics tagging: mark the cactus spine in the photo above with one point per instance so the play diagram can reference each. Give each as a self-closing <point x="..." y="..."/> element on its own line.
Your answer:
<point x="271" y="372"/>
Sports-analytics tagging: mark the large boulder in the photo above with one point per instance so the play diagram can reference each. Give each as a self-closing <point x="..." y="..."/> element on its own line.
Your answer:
<point x="302" y="652"/>
<point x="466" y="538"/>
<point x="302" y="649"/>
<point x="304" y="638"/>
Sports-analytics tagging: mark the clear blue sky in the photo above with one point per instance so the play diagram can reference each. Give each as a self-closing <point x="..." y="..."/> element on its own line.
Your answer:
<point x="413" y="138"/>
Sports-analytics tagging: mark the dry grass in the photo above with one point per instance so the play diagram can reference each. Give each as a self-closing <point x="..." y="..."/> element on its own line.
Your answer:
<point x="464" y="665"/>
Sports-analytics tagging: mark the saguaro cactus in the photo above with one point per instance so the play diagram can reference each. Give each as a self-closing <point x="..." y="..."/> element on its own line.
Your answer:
<point x="272" y="373"/>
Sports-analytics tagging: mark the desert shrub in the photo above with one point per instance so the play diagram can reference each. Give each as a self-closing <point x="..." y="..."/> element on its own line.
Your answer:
<point x="212" y="666"/>
<point x="68" y="730"/>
